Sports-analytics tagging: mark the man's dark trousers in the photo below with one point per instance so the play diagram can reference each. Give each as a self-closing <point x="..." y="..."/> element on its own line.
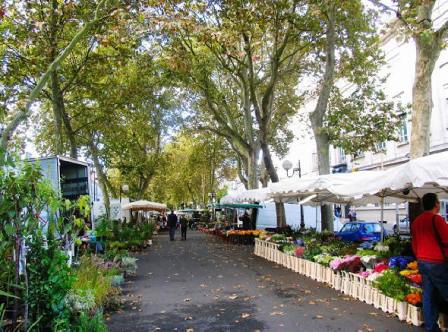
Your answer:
<point x="435" y="285"/>
<point x="172" y="232"/>
<point x="183" y="231"/>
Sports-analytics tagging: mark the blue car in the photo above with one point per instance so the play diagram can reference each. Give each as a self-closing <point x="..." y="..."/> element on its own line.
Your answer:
<point x="360" y="231"/>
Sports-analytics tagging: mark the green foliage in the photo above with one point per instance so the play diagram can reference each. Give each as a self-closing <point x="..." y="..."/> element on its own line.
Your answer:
<point x="90" y="277"/>
<point x="311" y="250"/>
<point x="50" y="279"/>
<point x="391" y="284"/>
<point x="86" y="323"/>
<point x="367" y="252"/>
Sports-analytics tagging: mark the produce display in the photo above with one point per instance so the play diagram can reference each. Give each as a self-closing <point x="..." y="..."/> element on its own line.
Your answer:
<point x="393" y="274"/>
<point x="236" y="236"/>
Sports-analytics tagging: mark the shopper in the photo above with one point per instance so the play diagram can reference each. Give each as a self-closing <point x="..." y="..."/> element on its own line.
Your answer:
<point x="172" y="223"/>
<point x="429" y="242"/>
<point x="183" y="227"/>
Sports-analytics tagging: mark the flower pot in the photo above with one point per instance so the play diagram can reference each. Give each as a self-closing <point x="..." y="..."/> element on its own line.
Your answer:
<point x="414" y="315"/>
<point x="401" y="310"/>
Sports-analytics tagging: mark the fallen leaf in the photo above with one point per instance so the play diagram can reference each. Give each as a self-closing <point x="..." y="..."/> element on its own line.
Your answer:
<point x="244" y="315"/>
<point x="233" y="297"/>
<point x="189" y="330"/>
<point x="318" y="317"/>
<point x="187" y="300"/>
<point x="277" y="313"/>
<point x="188" y="318"/>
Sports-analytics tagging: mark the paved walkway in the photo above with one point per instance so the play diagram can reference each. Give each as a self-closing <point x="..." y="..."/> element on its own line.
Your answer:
<point x="203" y="284"/>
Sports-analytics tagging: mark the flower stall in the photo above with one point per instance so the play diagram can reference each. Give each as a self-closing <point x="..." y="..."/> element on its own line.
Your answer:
<point x="382" y="276"/>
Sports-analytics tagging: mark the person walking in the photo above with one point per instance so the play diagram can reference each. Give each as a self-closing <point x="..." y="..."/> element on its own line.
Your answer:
<point x="429" y="242"/>
<point x="172" y="224"/>
<point x="183" y="227"/>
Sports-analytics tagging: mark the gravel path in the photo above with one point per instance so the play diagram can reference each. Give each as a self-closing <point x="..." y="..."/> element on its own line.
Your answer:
<point x="203" y="284"/>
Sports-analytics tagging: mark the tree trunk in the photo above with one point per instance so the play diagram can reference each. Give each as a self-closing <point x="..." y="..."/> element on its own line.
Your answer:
<point x="252" y="174"/>
<point x="101" y="177"/>
<point x="267" y="159"/>
<point x="427" y="54"/>
<point x="61" y="117"/>
<point x="317" y="116"/>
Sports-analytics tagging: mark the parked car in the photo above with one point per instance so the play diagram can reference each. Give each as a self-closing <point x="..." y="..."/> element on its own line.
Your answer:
<point x="360" y="231"/>
<point x="404" y="227"/>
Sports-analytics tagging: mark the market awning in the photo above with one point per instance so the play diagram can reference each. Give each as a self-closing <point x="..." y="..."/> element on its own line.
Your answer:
<point x="143" y="205"/>
<point x="240" y="206"/>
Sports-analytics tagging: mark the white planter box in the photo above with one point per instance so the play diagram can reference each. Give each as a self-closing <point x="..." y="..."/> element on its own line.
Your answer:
<point x="355" y="290"/>
<point x="414" y="315"/>
<point x="319" y="272"/>
<point x="296" y="264"/>
<point x="383" y="302"/>
<point x="328" y="275"/>
<point x="376" y="298"/>
<point x="346" y="283"/>
<point x="367" y="290"/>
<point x="302" y="264"/>
<point x="337" y="281"/>
<point x="401" y="310"/>
<point x="391" y="305"/>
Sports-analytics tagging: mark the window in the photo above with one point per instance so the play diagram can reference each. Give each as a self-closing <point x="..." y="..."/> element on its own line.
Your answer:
<point x="372" y="228"/>
<point x="358" y="154"/>
<point x="349" y="228"/>
<point x="380" y="146"/>
<point x="403" y="135"/>
<point x="340" y="155"/>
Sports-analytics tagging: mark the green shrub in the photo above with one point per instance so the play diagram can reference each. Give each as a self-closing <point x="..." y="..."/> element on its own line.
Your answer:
<point x="90" y="276"/>
<point x="85" y="323"/>
<point x="391" y="284"/>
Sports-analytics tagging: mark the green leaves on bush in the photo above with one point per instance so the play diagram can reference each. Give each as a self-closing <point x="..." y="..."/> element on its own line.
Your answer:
<point x="391" y="284"/>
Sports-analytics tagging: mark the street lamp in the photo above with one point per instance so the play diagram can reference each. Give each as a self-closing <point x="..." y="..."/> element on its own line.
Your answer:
<point x="287" y="165"/>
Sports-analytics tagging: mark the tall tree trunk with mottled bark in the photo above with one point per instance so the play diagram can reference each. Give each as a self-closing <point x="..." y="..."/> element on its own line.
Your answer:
<point x="317" y="116"/>
<point x="428" y="45"/>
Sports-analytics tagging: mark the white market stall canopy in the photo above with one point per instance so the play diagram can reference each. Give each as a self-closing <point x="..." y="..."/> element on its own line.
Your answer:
<point x="406" y="182"/>
<point x="145" y="206"/>
<point x="247" y="196"/>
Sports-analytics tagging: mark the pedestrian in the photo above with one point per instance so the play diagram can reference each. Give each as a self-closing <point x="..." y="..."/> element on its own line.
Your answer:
<point x="172" y="223"/>
<point x="183" y="227"/>
<point x="246" y="220"/>
<point x="429" y="242"/>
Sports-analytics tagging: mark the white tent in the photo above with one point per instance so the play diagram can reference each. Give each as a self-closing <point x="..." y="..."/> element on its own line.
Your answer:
<point x="324" y="188"/>
<point x="253" y="195"/>
<point x="406" y="182"/>
<point x="143" y="205"/>
<point x="228" y="199"/>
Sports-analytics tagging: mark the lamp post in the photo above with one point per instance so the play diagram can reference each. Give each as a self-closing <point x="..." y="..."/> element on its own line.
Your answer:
<point x="287" y="165"/>
<point x="123" y="189"/>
